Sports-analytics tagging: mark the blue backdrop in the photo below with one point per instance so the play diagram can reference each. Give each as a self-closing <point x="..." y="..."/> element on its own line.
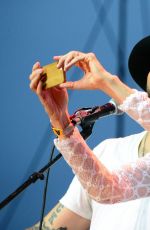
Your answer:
<point x="38" y="30"/>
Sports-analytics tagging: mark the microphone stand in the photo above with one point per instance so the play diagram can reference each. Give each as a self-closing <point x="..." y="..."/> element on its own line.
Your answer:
<point x="86" y="132"/>
<point x="32" y="179"/>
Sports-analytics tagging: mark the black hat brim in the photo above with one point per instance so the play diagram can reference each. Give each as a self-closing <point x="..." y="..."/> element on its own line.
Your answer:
<point x="139" y="62"/>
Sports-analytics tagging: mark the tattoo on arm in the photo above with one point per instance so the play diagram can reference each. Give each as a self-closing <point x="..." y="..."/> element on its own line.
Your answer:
<point x="51" y="220"/>
<point x="55" y="214"/>
<point x="47" y="228"/>
<point x="61" y="228"/>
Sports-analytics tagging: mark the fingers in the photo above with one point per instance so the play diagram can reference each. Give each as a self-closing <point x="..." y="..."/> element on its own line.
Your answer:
<point x="61" y="61"/>
<point x="68" y="85"/>
<point x="36" y="66"/>
<point x="68" y="60"/>
<point x="35" y="73"/>
<point x="75" y="58"/>
<point x="72" y="61"/>
<point x="35" y="78"/>
<point x="71" y="85"/>
<point x="56" y="58"/>
<point x="39" y="88"/>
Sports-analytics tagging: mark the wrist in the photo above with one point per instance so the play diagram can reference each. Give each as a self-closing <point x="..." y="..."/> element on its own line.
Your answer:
<point x="62" y="121"/>
<point x="65" y="133"/>
<point x="105" y="80"/>
<point x="65" y="121"/>
<point x="62" y="126"/>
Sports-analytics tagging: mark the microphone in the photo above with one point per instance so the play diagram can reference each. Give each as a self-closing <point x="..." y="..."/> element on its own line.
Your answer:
<point x="87" y="116"/>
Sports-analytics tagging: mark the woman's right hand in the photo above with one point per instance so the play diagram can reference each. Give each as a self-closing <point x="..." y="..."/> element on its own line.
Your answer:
<point x="54" y="100"/>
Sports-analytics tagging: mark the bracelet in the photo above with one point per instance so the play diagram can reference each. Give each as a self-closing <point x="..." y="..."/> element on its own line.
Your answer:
<point x="57" y="132"/>
<point x="67" y="132"/>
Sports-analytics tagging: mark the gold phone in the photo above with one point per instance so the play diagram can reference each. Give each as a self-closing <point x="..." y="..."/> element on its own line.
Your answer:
<point x="54" y="76"/>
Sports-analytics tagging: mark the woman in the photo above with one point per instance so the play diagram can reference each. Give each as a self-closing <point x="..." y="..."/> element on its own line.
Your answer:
<point x="101" y="184"/>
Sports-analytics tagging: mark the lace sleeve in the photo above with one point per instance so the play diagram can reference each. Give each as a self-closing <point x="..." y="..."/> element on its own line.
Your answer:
<point x="127" y="183"/>
<point x="137" y="105"/>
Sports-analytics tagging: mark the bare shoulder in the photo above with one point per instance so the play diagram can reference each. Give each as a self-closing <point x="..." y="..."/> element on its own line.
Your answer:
<point x="62" y="218"/>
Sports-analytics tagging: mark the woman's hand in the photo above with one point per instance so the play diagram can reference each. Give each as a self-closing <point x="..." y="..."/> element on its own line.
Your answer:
<point x="94" y="72"/>
<point x="54" y="100"/>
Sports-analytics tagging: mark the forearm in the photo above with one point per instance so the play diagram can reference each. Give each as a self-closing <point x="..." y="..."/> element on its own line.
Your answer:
<point x="135" y="103"/>
<point x="137" y="106"/>
<point x="61" y="218"/>
<point x="115" y="88"/>
<point x="102" y="185"/>
<point x="50" y="221"/>
<point x="92" y="174"/>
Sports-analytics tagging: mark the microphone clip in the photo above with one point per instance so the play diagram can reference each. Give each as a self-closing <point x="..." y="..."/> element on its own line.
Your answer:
<point x="78" y="119"/>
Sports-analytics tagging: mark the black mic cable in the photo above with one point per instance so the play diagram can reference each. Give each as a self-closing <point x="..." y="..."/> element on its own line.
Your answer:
<point x="45" y="188"/>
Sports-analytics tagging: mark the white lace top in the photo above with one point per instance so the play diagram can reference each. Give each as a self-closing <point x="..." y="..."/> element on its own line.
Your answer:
<point x="137" y="106"/>
<point x="129" y="182"/>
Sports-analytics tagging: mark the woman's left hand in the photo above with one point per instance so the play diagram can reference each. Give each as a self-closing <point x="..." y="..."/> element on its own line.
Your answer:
<point x="94" y="73"/>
